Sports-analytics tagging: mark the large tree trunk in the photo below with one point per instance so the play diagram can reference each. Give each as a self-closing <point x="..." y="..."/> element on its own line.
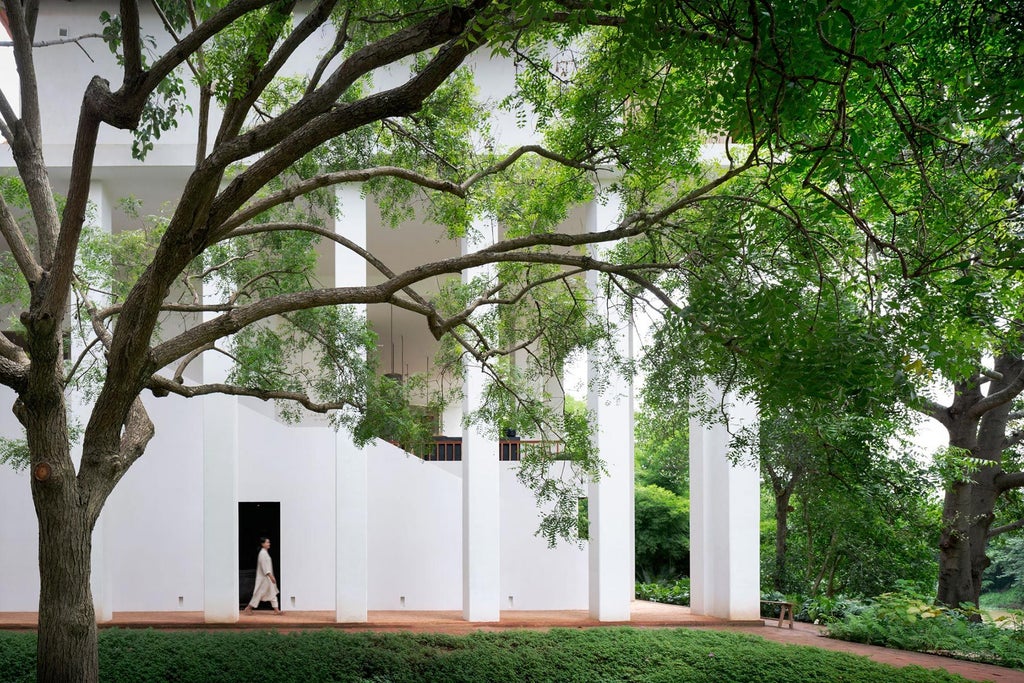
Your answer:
<point x="968" y="511"/>
<point x="66" y="512"/>
<point x="67" y="645"/>
<point x="966" y="517"/>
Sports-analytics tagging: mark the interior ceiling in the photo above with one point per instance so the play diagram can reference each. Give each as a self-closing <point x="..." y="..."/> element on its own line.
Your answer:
<point x="401" y="332"/>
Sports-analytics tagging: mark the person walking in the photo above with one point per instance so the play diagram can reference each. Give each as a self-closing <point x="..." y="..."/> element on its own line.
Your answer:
<point x="266" y="583"/>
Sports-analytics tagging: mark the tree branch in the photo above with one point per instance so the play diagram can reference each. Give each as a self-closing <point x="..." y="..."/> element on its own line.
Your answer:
<point x="1014" y="439"/>
<point x="13" y="374"/>
<point x="340" y="40"/>
<point x="1005" y="481"/>
<point x="318" y="182"/>
<point x="131" y="41"/>
<point x="229" y="323"/>
<point x="1013" y="526"/>
<point x="100" y="473"/>
<point x="361" y="175"/>
<point x="162" y="386"/>
<point x="19" y="247"/>
<point x="316" y="117"/>
<point x="934" y="410"/>
<point x="237" y="111"/>
<point x="998" y="398"/>
<point x="57" y="41"/>
<point x="22" y="26"/>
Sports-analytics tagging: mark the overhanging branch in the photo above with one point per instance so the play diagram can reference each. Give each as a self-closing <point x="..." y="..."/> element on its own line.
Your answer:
<point x="1013" y="526"/>
<point x="998" y="398"/>
<point x="162" y="386"/>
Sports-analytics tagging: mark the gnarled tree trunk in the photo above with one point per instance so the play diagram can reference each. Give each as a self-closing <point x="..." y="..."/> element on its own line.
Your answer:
<point x="967" y="514"/>
<point x="977" y="424"/>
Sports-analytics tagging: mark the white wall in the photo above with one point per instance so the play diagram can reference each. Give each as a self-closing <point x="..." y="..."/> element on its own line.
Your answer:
<point x="19" y="533"/>
<point x="154" y="517"/>
<point x="295" y="467"/>
<point x="415" y="532"/>
<point x="154" y="530"/>
<point x="537" y="577"/>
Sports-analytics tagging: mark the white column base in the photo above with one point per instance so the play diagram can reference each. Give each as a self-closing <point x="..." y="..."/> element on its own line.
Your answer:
<point x="102" y="584"/>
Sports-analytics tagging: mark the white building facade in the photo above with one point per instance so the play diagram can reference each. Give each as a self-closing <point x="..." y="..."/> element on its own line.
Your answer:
<point x="354" y="530"/>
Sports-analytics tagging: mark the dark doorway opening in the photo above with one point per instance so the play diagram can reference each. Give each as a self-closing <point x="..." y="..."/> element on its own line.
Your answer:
<point x="254" y="521"/>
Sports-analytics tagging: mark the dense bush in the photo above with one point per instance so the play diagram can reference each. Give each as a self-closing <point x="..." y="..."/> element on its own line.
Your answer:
<point x="670" y="592"/>
<point x="1003" y="584"/>
<point x="620" y="654"/>
<point x="662" y="532"/>
<point x="907" y="621"/>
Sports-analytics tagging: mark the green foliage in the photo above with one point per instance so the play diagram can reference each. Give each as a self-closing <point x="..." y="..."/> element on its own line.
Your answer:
<point x="675" y="592"/>
<point x="862" y="534"/>
<point x="600" y="654"/>
<point x="823" y="609"/>
<point x="167" y="102"/>
<point x="1004" y="579"/>
<point x="952" y="464"/>
<point x="14" y="453"/>
<point x="662" y="452"/>
<point x="662" y="532"/>
<point x="909" y="621"/>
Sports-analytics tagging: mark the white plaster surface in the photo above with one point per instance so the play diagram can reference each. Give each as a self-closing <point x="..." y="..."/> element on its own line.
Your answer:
<point x="724" y="520"/>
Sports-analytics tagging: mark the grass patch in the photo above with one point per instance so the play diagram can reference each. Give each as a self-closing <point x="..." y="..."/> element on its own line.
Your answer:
<point x="584" y="655"/>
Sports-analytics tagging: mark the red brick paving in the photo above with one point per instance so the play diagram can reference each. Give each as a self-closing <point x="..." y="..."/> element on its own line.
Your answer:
<point x="643" y="615"/>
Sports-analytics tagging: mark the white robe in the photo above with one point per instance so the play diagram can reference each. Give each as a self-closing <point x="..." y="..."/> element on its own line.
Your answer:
<point x="265" y="589"/>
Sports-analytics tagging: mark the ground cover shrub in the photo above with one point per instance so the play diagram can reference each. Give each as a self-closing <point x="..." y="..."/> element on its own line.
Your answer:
<point x="670" y="592"/>
<point x="909" y="622"/>
<point x="823" y="609"/>
<point x="585" y="655"/>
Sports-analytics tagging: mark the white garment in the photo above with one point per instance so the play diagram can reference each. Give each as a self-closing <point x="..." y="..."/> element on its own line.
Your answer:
<point x="265" y="589"/>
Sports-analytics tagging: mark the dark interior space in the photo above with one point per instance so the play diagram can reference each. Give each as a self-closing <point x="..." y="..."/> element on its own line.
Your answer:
<point x="256" y="520"/>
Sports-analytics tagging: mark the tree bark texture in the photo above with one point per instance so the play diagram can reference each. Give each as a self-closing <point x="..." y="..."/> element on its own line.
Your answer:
<point x="67" y="645"/>
<point x="967" y="514"/>
<point x="66" y="649"/>
<point x="977" y="423"/>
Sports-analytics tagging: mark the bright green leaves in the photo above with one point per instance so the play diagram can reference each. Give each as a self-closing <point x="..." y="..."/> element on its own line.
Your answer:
<point x="238" y="53"/>
<point x="322" y="352"/>
<point x="534" y="197"/>
<point x="14" y="453"/>
<point x="662" y="533"/>
<point x="264" y="264"/>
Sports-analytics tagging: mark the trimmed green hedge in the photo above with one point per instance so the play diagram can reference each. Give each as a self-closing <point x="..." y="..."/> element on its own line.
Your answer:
<point x="584" y="655"/>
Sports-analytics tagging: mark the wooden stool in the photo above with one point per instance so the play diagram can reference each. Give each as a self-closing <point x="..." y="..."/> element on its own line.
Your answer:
<point x="785" y="611"/>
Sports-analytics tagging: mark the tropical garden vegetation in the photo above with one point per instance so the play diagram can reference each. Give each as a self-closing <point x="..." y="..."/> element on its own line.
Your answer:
<point x="821" y="202"/>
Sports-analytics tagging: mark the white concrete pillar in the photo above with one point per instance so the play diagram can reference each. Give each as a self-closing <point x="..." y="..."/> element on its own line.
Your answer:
<point x="351" y="497"/>
<point x="481" y="530"/>
<point x="610" y="498"/>
<point x="220" y="489"/>
<point x="725" y="500"/>
<point x="101" y="579"/>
